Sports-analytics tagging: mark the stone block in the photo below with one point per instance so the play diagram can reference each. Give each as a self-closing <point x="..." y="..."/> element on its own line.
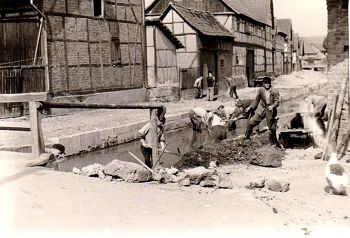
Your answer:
<point x="196" y="175"/>
<point x="92" y="170"/>
<point x="129" y="172"/>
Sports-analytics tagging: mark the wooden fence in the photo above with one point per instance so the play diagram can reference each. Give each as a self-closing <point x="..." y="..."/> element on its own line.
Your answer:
<point x="19" y="79"/>
<point x="38" y="102"/>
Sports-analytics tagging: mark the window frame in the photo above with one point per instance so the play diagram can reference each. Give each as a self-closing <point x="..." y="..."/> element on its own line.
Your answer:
<point x="102" y="2"/>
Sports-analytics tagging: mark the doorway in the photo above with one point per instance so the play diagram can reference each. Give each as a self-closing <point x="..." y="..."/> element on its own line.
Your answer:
<point x="250" y="67"/>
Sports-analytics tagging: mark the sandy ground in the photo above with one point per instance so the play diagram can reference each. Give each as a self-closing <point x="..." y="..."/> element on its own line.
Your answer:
<point x="41" y="202"/>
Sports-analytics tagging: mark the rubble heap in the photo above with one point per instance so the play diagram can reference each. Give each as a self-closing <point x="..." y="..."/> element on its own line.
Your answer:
<point x="256" y="151"/>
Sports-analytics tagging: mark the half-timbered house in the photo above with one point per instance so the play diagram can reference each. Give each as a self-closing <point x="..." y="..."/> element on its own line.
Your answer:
<point x="72" y="47"/>
<point x="285" y="26"/>
<point x="162" y="71"/>
<point x="251" y="23"/>
<point x="207" y="46"/>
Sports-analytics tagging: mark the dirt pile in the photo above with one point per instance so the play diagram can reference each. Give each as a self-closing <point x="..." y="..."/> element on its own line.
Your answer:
<point x="229" y="151"/>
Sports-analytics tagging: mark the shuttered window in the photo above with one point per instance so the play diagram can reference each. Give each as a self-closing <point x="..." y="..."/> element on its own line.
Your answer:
<point x="115" y="51"/>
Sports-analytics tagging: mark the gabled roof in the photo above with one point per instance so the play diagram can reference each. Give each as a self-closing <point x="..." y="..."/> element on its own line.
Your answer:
<point x="258" y="10"/>
<point x="203" y="22"/>
<point x="166" y="32"/>
<point x="320" y="47"/>
<point x="309" y="49"/>
<point x="284" y="25"/>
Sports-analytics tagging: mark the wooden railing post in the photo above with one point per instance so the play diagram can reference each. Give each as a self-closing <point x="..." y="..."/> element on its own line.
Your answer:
<point x="38" y="146"/>
<point x="153" y="131"/>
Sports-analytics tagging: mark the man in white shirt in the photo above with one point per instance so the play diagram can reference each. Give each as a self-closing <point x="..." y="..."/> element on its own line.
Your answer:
<point x="198" y="84"/>
<point x="199" y="116"/>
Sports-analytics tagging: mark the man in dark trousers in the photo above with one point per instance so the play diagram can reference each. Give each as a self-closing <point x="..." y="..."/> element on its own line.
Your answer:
<point x="269" y="98"/>
<point x="198" y="84"/>
<point x="232" y="86"/>
<point x="211" y="83"/>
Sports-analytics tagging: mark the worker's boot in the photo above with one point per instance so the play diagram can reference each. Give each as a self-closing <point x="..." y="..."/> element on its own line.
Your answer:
<point x="273" y="139"/>
<point x="248" y="132"/>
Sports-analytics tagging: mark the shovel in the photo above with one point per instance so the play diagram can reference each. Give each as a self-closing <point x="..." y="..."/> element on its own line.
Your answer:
<point x="173" y="153"/>
<point x="156" y="176"/>
<point x="160" y="155"/>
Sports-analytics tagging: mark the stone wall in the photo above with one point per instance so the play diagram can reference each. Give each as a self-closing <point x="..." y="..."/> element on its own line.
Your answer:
<point x="90" y="53"/>
<point x="338" y="31"/>
<point x="338" y="58"/>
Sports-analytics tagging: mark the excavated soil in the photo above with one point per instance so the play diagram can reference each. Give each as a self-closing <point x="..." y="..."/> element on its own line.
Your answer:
<point x="228" y="151"/>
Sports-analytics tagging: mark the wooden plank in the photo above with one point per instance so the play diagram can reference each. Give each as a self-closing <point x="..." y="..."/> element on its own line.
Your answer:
<point x="101" y="106"/>
<point x="35" y="127"/>
<point x="154" y="136"/>
<point x="23" y="97"/>
<point x="15" y="126"/>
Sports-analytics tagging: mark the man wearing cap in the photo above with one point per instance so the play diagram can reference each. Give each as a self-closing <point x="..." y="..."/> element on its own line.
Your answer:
<point x="269" y="99"/>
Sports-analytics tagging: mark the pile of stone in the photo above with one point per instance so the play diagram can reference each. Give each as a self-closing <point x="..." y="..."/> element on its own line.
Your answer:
<point x="270" y="184"/>
<point x="130" y="172"/>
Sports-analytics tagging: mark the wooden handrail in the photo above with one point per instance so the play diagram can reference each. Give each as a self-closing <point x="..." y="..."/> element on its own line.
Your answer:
<point x="23" y="97"/>
<point x="38" y="101"/>
<point x="100" y="106"/>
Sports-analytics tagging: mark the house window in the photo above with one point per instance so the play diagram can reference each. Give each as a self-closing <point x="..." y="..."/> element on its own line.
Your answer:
<point x="98" y="8"/>
<point x="222" y="63"/>
<point x="115" y="51"/>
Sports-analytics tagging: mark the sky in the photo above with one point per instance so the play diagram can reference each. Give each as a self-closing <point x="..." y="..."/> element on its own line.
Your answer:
<point x="309" y="17"/>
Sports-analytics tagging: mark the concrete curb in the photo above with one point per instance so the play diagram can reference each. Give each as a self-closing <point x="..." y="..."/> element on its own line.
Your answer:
<point x="91" y="140"/>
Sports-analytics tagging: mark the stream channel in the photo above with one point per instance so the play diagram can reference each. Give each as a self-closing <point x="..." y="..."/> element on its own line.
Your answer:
<point x="183" y="139"/>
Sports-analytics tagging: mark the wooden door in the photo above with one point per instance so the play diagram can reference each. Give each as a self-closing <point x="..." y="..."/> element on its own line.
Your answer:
<point x="250" y="67"/>
<point x="208" y="58"/>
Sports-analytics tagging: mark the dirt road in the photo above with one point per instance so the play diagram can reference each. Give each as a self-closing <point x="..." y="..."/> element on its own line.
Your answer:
<point x="40" y="202"/>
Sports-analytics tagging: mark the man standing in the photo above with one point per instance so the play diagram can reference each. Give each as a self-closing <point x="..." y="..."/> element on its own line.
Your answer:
<point x="211" y="83"/>
<point x="232" y="86"/>
<point x="269" y="99"/>
<point x="319" y="104"/>
<point x="198" y="85"/>
<point x="146" y="137"/>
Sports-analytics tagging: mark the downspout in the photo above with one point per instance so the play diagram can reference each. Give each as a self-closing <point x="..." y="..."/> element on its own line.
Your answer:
<point x="42" y="35"/>
<point x="144" y="47"/>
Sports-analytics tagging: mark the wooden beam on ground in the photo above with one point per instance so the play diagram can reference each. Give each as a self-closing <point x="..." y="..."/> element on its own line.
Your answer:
<point x="23" y="97"/>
